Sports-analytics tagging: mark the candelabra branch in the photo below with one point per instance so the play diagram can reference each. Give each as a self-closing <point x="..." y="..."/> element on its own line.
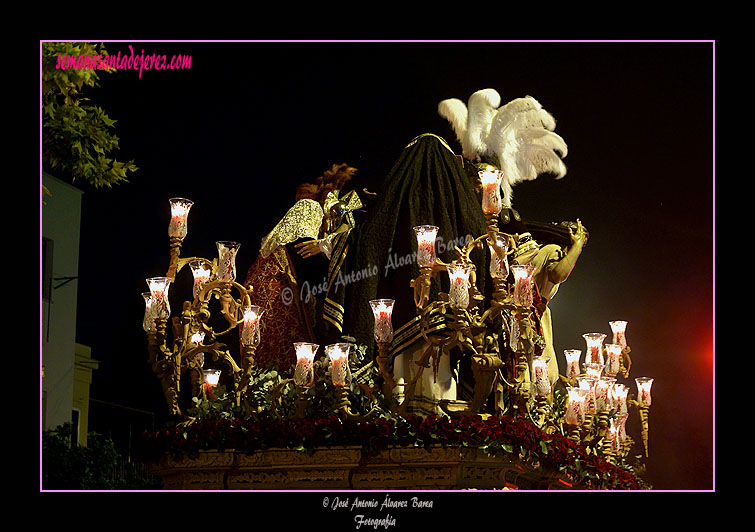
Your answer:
<point x="344" y="405"/>
<point x="422" y="283"/>
<point x="175" y="254"/>
<point x="644" y="411"/>
<point x="385" y="365"/>
<point x="247" y="363"/>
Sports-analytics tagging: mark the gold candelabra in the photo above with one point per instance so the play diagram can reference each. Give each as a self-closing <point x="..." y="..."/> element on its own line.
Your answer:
<point x="500" y="340"/>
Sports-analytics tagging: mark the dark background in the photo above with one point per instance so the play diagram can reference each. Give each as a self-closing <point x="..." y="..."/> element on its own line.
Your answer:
<point x="249" y="121"/>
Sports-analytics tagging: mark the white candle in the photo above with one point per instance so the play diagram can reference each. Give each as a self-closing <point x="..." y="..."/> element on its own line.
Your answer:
<point x="491" y="191"/>
<point x="426" y="235"/>
<point x="201" y="275"/>
<point x="618" y="328"/>
<point x="540" y="374"/>
<point x="643" y="390"/>
<point x="594" y="371"/>
<point x="179" y="212"/>
<point x="197" y="338"/>
<point x="621" y="421"/>
<point x="594" y="352"/>
<point x="620" y="392"/>
<point x="602" y="393"/>
<point x="158" y="289"/>
<point x="572" y="362"/>
<point x="588" y="385"/>
<point x="575" y="406"/>
<point x="499" y="268"/>
<point x="382" y="310"/>
<point x="339" y="363"/>
<point x="458" y="293"/>
<point x="613" y="356"/>
<point x="304" y="373"/>
<point x="523" y="284"/>
<point x="250" y="332"/>
<point x="227" y="260"/>
<point x="211" y="377"/>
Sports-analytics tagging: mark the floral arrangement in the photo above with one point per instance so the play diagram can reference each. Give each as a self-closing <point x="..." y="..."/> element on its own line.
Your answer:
<point x="496" y="436"/>
<point x="217" y="424"/>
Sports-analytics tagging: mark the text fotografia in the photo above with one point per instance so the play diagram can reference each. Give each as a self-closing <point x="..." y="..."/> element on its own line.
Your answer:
<point x="126" y="61"/>
<point x="359" y="507"/>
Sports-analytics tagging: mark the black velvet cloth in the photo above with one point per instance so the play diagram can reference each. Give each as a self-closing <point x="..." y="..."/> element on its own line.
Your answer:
<point x="428" y="185"/>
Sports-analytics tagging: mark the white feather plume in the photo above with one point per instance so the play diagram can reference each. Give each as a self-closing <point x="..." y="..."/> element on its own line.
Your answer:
<point x="519" y="136"/>
<point x="482" y="107"/>
<point x="455" y="111"/>
<point x="471" y="122"/>
<point x="522" y="139"/>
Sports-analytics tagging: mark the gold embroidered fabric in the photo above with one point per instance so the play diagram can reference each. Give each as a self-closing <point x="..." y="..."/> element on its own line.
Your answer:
<point x="303" y="220"/>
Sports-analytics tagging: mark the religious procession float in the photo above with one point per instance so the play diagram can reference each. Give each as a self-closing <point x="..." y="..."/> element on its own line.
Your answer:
<point x="396" y="339"/>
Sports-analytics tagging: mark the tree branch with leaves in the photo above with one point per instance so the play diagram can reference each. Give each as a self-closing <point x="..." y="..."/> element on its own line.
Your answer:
<point x="77" y="136"/>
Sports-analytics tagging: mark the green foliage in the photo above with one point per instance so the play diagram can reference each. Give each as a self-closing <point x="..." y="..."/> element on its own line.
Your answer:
<point x="77" y="137"/>
<point x="219" y="405"/>
<point x="94" y="467"/>
<point x="322" y="399"/>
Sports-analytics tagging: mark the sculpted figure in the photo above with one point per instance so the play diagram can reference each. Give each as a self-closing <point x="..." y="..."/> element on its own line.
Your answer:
<point x="292" y="265"/>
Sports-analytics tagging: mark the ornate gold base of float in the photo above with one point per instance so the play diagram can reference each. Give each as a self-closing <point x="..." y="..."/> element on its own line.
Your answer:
<point x="345" y="468"/>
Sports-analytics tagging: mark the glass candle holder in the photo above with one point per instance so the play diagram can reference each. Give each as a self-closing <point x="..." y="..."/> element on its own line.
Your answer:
<point x="523" y="284"/>
<point x="594" y="353"/>
<point x="540" y="375"/>
<point x="179" y="212"/>
<point x="572" y="362"/>
<point x="613" y="359"/>
<point x="339" y="363"/>
<point x="211" y="377"/>
<point x="613" y="434"/>
<point x="619" y="393"/>
<point x="588" y="385"/>
<point x="643" y="390"/>
<point x="618" y="328"/>
<point x="426" y="235"/>
<point x="201" y="273"/>
<point x="227" y="260"/>
<point x="575" y="404"/>
<point x="594" y="371"/>
<point x="304" y="373"/>
<point x="621" y="423"/>
<point x="382" y="309"/>
<point x="499" y="268"/>
<point x="250" y="329"/>
<point x="603" y="393"/>
<point x="158" y="289"/>
<point x="491" y="191"/>
<point x="458" y="292"/>
<point x="148" y="323"/>
<point x="197" y="338"/>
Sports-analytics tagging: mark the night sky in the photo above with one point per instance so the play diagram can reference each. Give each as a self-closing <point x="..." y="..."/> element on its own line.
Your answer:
<point x="250" y="121"/>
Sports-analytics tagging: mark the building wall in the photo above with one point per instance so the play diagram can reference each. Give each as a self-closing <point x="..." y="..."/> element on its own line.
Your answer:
<point x="61" y="219"/>
<point x="84" y="365"/>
